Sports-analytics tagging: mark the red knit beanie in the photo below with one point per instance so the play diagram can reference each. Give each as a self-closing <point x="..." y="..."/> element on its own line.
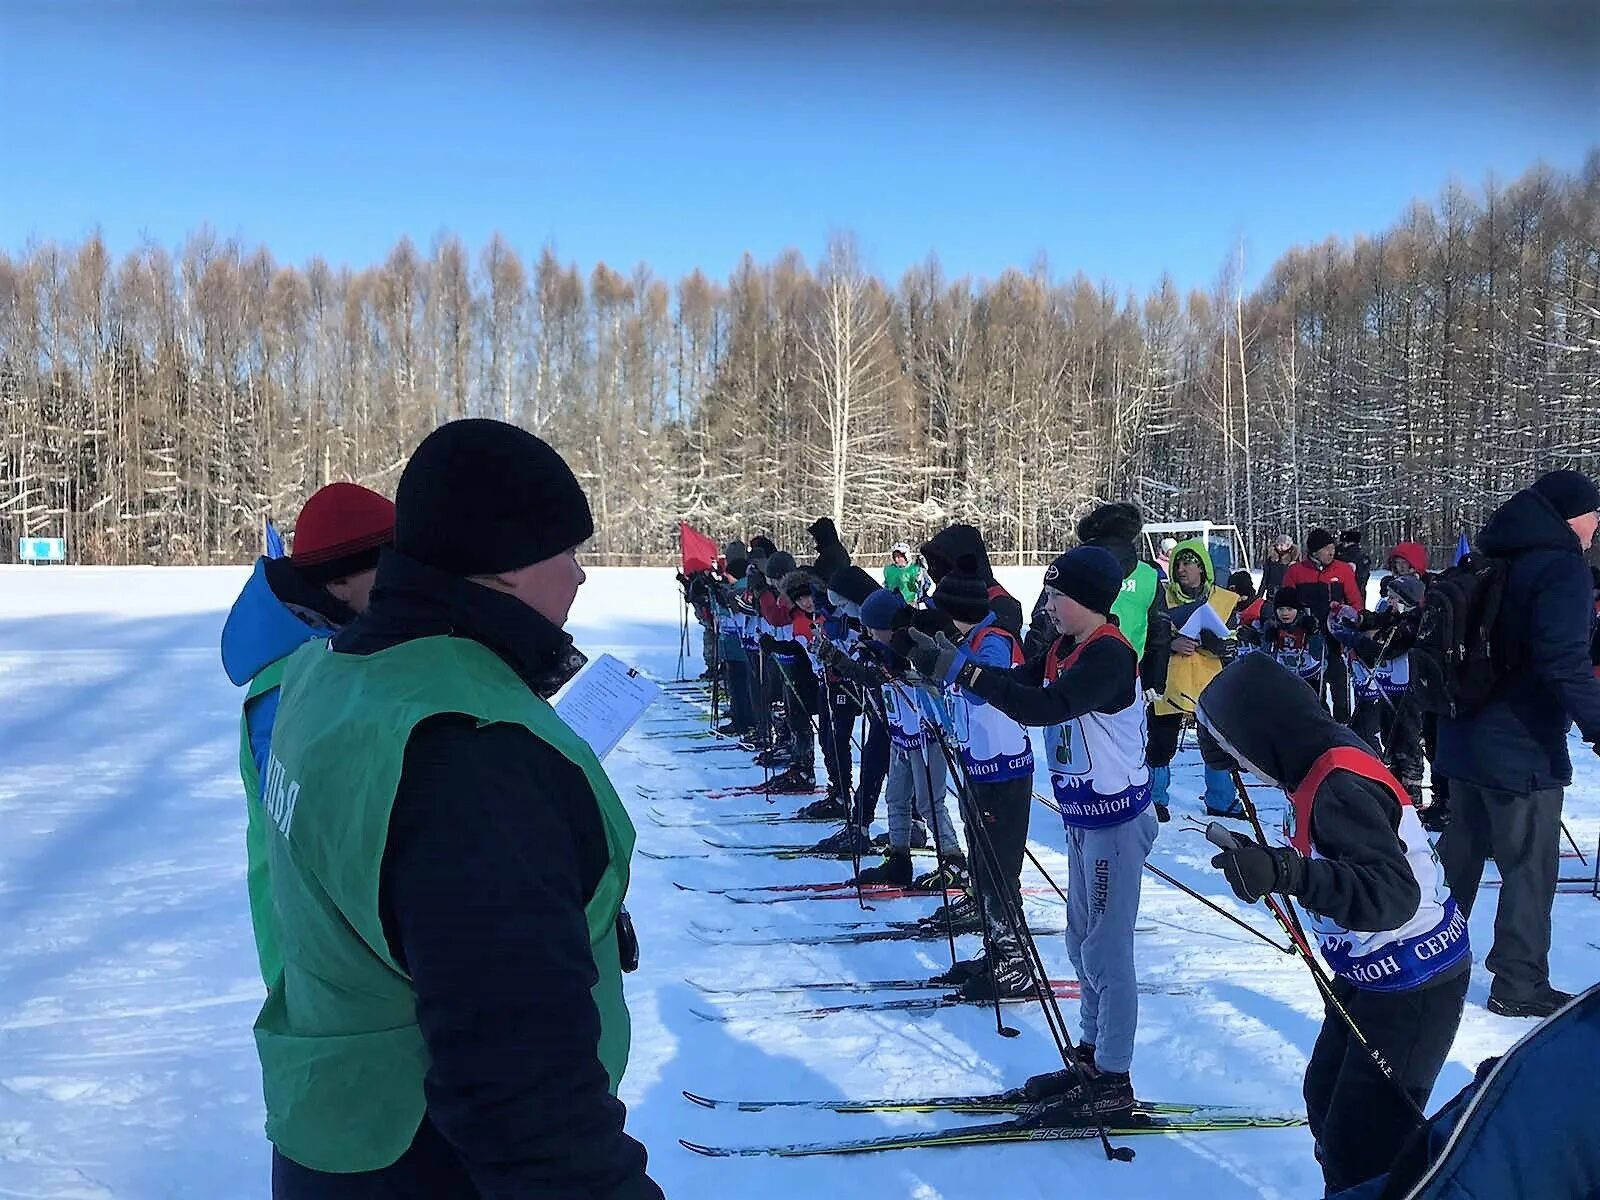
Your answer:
<point x="341" y="529"/>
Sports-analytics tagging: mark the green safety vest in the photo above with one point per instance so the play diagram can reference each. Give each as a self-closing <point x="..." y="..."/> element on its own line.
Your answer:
<point x="255" y="830"/>
<point x="342" y="1057"/>
<point x="1132" y="606"/>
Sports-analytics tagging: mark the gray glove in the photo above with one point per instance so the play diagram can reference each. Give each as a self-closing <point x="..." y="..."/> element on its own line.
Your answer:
<point x="934" y="658"/>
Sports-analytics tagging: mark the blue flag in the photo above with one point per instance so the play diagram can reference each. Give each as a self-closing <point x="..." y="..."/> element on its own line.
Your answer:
<point x="274" y="540"/>
<point x="1463" y="547"/>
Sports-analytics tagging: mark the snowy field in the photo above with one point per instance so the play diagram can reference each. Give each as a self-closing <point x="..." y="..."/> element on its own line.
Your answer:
<point x="128" y="979"/>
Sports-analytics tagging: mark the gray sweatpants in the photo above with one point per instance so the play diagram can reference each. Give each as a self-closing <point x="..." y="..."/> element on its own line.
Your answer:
<point x="1104" y="870"/>
<point x="915" y="785"/>
<point x="1523" y="836"/>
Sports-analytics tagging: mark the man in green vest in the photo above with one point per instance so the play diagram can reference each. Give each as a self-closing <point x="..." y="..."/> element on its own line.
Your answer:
<point x="286" y="603"/>
<point x="448" y="863"/>
<point x="1114" y="527"/>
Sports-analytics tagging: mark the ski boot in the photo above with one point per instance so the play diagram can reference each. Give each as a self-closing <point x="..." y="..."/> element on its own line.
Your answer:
<point x="773" y="756"/>
<point x="894" y="870"/>
<point x="792" y="782"/>
<point x="1103" y="1098"/>
<point x="959" y="973"/>
<point x="1008" y="977"/>
<point x="829" y="808"/>
<point x="951" y="874"/>
<point x="846" y="843"/>
<point x="1056" y="1083"/>
<point x="962" y="914"/>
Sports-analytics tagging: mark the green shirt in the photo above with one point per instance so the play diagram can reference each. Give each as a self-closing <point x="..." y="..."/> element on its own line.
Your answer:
<point x="1132" y="606"/>
<point x="342" y="1056"/>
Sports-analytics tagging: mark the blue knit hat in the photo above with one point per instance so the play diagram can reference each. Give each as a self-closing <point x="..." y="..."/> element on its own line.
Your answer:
<point x="878" y="610"/>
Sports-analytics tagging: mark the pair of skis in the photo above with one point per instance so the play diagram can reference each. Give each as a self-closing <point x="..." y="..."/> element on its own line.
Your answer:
<point x="1026" y="1123"/>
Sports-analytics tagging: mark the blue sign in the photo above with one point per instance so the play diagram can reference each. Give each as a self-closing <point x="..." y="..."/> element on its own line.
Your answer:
<point x="42" y="549"/>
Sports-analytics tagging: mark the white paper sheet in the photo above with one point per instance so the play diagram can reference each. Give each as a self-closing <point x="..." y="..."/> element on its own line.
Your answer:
<point x="1205" y="618"/>
<point x="603" y="701"/>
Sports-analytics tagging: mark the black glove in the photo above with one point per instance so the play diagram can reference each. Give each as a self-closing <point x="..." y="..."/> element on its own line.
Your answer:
<point x="1253" y="870"/>
<point x="934" y="658"/>
<point x="828" y="652"/>
<point x="1249" y="635"/>
<point x="769" y="643"/>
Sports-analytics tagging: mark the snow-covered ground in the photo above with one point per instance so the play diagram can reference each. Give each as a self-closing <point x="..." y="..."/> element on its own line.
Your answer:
<point x="128" y="981"/>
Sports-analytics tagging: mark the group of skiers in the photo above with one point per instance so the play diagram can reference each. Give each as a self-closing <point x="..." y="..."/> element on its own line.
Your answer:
<point x="1291" y="678"/>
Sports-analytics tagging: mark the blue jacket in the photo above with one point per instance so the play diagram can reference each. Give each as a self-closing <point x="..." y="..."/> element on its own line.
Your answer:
<point x="1517" y="742"/>
<point x="278" y="611"/>
<point x="1523" y="1127"/>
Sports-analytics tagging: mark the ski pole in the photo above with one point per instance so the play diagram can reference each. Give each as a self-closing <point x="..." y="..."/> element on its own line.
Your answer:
<point x="1220" y="836"/>
<point x="1573" y="842"/>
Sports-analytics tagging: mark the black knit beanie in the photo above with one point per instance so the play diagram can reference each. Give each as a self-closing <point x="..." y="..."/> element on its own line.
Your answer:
<point x="480" y="497"/>
<point x="1316" y="540"/>
<point x="1570" y="493"/>
<point x="963" y="595"/>
<point x="1090" y="575"/>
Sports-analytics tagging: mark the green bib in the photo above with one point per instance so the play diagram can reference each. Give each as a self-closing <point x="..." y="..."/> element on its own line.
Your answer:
<point x="342" y="1057"/>
<point x="262" y="920"/>
<point x="1132" y="607"/>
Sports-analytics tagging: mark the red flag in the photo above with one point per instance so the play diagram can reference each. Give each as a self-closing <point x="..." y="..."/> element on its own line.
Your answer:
<point x="698" y="551"/>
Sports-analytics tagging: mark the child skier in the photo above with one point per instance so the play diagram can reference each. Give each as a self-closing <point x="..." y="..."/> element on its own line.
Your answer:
<point x="1380" y="643"/>
<point x="1379" y="907"/>
<point x="1085" y="690"/>
<point x="902" y="575"/>
<point x="996" y="757"/>
<point x="1289" y="636"/>
<point x="915" y="786"/>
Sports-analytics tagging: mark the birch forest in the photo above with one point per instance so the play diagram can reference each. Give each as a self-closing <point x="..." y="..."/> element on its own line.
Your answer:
<point x="155" y="407"/>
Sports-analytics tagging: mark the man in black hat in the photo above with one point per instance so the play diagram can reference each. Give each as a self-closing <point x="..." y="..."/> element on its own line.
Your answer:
<point x="449" y="862"/>
<point x="1324" y="583"/>
<point x="1507" y="761"/>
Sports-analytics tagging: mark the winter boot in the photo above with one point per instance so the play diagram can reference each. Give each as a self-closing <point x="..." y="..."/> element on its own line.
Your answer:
<point x="952" y="874"/>
<point x="1160" y="782"/>
<point x="894" y="870"/>
<point x="1221" y="798"/>
<point x="846" y="843"/>
<point x="829" y="808"/>
<point x="793" y="782"/>
<point x="1106" y="1098"/>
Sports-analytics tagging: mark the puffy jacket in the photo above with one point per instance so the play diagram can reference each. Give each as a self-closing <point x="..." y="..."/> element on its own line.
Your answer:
<point x="1517" y="742"/>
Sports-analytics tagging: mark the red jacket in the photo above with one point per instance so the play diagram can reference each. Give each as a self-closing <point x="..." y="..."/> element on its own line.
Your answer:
<point x="1319" y="586"/>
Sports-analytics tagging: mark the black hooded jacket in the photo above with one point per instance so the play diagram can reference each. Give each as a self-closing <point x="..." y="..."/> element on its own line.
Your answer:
<point x="1517" y="742"/>
<point x="832" y="557"/>
<point x="941" y="553"/>
<point x="1275" y="726"/>
<point x="494" y="847"/>
<point x="1114" y="528"/>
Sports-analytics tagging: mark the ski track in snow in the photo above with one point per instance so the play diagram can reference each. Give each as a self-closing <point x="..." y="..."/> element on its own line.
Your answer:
<point x="128" y="979"/>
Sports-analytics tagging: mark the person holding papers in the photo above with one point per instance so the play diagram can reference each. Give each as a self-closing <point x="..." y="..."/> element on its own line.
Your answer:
<point x="448" y="864"/>
<point x="1201" y="616"/>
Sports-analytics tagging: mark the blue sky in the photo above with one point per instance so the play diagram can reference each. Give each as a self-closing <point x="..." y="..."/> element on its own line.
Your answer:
<point x="685" y="135"/>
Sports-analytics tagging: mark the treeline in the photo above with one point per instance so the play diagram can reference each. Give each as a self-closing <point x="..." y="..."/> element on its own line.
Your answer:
<point x="154" y="408"/>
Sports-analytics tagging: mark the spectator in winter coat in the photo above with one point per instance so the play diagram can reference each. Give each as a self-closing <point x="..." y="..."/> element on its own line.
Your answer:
<point x="1113" y="527"/>
<point x="1322" y="581"/>
<point x="288" y="602"/>
<point x="1190" y="664"/>
<point x="902" y="575"/>
<point x="945" y="548"/>
<point x="1279" y="559"/>
<point x="449" y="862"/>
<point x="1351" y="551"/>
<point x="1379" y="910"/>
<point x="831" y="554"/>
<point x="1507" y="761"/>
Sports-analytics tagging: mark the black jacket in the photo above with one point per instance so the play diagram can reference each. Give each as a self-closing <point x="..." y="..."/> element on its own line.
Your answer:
<point x="494" y="847"/>
<point x="1360" y="562"/>
<point x="1276" y="727"/>
<point x="1517" y="742"/>
<point x="1101" y="680"/>
<point x="832" y="557"/>
<point x="1272" y="572"/>
<point x="1042" y="630"/>
<point x="942" y="551"/>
